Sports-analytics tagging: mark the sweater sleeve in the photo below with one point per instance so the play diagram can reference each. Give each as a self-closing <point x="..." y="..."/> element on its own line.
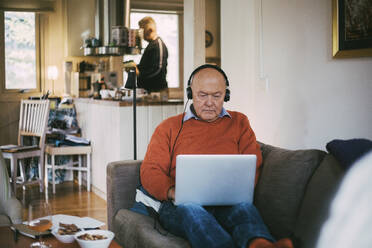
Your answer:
<point x="155" y="168"/>
<point x="249" y="145"/>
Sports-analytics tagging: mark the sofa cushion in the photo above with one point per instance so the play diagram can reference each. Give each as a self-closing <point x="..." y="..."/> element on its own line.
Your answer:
<point x="282" y="184"/>
<point x="318" y="196"/>
<point x="136" y="230"/>
<point x="347" y="152"/>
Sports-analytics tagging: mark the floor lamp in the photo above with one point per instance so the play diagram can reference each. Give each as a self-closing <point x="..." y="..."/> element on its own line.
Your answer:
<point x="52" y="75"/>
<point x="132" y="84"/>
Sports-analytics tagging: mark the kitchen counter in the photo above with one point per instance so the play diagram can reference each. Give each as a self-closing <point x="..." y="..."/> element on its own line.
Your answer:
<point x="140" y="102"/>
<point x="108" y="125"/>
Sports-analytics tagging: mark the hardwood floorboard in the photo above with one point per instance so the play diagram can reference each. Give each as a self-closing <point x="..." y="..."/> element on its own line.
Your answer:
<point x="69" y="199"/>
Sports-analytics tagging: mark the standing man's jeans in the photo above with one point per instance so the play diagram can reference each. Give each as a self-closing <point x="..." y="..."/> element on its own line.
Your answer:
<point x="222" y="226"/>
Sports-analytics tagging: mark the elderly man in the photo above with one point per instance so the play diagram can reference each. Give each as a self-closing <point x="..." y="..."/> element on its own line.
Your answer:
<point x="152" y="69"/>
<point x="206" y="128"/>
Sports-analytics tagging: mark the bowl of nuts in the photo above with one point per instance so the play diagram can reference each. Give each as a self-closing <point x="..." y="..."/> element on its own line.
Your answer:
<point x="94" y="238"/>
<point x="65" y="232"/>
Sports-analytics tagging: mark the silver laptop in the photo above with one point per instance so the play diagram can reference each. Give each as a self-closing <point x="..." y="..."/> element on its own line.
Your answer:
<point x="213" y="180"/>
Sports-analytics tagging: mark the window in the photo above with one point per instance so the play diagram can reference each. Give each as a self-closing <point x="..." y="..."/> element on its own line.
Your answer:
<point x="19" y="59"/>
<point x="167" y="25"/>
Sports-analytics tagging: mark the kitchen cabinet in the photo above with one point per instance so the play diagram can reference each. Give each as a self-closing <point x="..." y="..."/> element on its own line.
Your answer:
<point x="109" y="126"/>
<point x="79" y="20"/>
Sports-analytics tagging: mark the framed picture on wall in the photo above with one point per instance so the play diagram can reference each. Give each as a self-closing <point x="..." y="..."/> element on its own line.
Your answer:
<point x="352" y="28"/>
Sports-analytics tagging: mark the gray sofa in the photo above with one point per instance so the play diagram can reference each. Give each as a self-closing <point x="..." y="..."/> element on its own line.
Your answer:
<point x="293" y="195"/>
<point x="10" y="206"/>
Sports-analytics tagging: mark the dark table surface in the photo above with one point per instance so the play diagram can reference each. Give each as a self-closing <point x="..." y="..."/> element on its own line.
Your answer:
<point x="7" y="240"/>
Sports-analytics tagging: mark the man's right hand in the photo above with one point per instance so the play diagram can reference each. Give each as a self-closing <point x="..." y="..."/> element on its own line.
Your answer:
<point x="129" y="64"/>
<point x="137" y="71"/>
<point x="171" y="193"/>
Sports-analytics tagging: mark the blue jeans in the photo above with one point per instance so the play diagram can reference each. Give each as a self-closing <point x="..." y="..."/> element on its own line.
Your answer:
<point x="217" y="226"/>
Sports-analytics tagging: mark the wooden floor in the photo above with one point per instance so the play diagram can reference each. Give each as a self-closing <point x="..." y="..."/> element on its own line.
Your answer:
<point x="69" y="199"/>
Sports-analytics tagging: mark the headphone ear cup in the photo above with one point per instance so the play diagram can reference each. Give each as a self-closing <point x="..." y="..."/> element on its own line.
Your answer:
<point x="189" y="93"/>
<point x="227" y="95"/>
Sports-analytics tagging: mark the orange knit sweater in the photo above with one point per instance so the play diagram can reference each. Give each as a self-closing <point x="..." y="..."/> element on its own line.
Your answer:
<point x="224" y="136"/>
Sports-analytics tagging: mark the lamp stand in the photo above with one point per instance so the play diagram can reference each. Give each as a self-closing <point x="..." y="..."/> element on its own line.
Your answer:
<point x="132" y="84"/>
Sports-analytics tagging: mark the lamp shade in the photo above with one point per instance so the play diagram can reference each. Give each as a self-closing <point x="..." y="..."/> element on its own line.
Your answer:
<point x="52" y="72"/>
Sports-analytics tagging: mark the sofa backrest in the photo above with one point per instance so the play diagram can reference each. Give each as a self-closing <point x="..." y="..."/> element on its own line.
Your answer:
<point x="5" y="189"/>
<point x="282" y="184"/>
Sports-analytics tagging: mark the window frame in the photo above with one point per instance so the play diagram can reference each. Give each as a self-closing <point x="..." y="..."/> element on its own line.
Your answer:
<point x="16" y="93"/>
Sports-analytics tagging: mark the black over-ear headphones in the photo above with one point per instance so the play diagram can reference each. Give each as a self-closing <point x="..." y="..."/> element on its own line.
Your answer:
<point x="189" y="91"/>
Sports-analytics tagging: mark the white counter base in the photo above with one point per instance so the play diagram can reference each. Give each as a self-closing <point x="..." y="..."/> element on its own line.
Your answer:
<point x="110" y="129"/>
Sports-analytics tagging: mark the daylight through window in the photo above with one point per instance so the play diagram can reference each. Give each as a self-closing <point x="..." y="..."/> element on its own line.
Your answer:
<point x="20" y="50"/>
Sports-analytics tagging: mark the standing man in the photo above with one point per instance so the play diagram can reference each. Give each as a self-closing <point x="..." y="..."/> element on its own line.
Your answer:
<point x="152" y="69"/>
<point x="206" y="128"/>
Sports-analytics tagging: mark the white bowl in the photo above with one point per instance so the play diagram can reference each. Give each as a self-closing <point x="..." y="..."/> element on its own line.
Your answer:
<point x="63" y="238"/>
<point x="103" y="243"/>
<point x="112" y="93"/>
<point x="105" y="94"/>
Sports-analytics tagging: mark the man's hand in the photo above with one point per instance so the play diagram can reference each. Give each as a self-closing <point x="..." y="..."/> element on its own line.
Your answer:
<point x="171" y="193"/>
<point x="137" y="71"/>
<point x="129" y="65"/>
<point x="128" y="68"/>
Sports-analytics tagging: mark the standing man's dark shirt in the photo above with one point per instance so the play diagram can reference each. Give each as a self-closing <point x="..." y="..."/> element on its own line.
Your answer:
<point x="153" y="66"/>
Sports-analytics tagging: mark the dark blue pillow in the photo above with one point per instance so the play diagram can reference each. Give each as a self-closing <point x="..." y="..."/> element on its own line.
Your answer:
<point x="348" y="151"/>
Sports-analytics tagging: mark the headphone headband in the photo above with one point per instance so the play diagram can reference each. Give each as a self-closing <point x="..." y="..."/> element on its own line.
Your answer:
<point x="188" y="89"/>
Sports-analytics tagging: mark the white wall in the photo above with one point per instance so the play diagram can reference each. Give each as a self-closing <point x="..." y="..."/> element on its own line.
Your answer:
<point x="194" y="37"/>
<point x="311" y="98"/>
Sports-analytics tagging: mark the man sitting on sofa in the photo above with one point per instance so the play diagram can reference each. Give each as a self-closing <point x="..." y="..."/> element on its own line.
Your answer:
<point x="205" y="128"/>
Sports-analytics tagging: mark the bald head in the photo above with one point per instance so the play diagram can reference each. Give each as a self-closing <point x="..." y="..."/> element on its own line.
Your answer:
<point x="208" y="92"/>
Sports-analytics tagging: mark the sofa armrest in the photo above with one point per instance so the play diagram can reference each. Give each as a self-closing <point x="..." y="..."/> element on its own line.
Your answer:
<point x="122" y="179"/>
<point x="12" y="207"/>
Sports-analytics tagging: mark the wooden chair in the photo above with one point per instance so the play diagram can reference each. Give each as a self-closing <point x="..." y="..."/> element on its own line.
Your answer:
<point x="70" y="151"/>
<point x="33" y="122"/>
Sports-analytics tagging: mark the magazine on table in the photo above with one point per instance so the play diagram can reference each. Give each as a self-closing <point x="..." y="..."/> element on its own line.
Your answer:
<point x="15" y="148"/>
<point x="83" y="223"/>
